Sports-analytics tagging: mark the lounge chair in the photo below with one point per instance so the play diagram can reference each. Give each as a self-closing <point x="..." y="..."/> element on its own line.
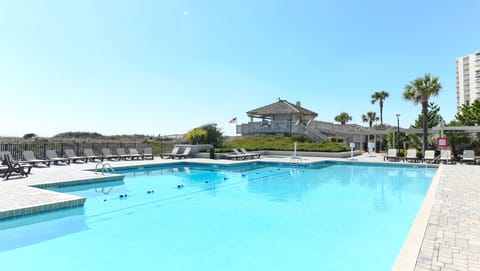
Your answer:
<point x="245" y="156"/>
<point x="469" y="156"/>
<point x="29" y="157"/>
<point x="171" y="154"/>
<point x="134" y="153"/>
<point x="53" y="157"/>
<point x="253" y="155"/>
<point x="233" y="156"/>
<point x="3" y="160"/>
<point x="411" y="155"/>
<point x="148" y="153"/>
<point x="429" y="156"/>
<point x="70" y="153"/>
<point x="446" y="156"/>
<point x="391" y="155"/>
<point x="14" y="167"/>
<point x="90" y="155"/>
<point x="185" y="153"/>
<point x="123" y="155"/>
<point x="108" y="155"/>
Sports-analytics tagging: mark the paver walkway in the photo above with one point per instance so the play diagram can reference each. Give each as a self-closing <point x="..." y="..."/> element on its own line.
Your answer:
<point x="452" y="237"/>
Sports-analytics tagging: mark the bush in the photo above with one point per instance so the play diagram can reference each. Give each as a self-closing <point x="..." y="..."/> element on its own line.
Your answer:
<point x="300" y="139"/>
<point x="281" y="143"/>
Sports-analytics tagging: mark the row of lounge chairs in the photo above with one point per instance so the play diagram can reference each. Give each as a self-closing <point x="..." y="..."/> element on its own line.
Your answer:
<point x="429" y="157"/>
<point x="241" y="155"/>
<point x="10" y="167"/>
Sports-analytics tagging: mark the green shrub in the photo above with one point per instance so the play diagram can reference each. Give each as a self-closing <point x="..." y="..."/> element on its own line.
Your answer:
<point x="281" y="143"/>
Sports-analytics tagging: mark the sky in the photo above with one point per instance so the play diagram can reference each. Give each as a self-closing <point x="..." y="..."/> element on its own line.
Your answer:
<point x="166" y="67"/>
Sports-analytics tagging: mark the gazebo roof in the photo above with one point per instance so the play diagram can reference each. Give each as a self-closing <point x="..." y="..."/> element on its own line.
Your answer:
<point x="280" y="107"/>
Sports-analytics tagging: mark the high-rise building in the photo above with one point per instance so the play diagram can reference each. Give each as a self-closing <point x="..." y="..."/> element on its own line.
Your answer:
<point x="468" y="79"/>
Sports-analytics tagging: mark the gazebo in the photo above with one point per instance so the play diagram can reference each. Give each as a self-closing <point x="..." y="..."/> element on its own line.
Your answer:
<point x="281" y="118"/>
<point x="282" y="110"/>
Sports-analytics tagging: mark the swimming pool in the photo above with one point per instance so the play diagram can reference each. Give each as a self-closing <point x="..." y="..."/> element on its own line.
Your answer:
<point x="327" y="216"/>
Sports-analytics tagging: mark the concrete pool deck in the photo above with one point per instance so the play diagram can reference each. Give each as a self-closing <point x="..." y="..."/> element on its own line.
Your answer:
<point x="444" y="236"/>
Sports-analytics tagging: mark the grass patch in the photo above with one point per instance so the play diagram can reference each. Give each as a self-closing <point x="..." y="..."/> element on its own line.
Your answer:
<point x="281" y="143"/>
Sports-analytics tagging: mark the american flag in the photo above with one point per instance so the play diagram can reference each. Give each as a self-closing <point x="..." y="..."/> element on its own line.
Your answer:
<point x="234" y="120"/>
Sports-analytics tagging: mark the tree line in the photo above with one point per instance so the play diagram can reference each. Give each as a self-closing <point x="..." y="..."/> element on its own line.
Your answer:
<point x="419" y="91"/>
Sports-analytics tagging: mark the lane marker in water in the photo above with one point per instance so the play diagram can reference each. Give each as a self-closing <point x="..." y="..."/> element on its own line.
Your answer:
<point x="255" y="179"/>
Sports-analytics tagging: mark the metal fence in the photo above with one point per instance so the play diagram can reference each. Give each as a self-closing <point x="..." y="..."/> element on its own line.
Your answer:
<point x="40" y="148"/>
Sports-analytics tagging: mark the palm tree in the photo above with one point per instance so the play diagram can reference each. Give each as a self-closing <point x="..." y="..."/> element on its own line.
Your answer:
<point x="343" y="118"/>
<point x="379" y="97"/>
<point x="370" y="117"/>
<point x="419" y="91"/>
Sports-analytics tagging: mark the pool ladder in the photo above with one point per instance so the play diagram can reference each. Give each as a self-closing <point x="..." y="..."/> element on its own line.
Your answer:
<point x="295" y="160"/>
<point x="103" y="168"/>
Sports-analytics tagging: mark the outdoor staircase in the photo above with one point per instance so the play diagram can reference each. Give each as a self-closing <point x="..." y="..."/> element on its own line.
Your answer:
<point x="314" y="135"/>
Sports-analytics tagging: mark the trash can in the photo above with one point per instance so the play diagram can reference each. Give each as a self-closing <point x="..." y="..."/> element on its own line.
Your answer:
<point x="212" y="152"/>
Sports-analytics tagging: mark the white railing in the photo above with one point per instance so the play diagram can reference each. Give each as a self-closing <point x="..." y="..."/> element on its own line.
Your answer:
<point x="103" y="167"/>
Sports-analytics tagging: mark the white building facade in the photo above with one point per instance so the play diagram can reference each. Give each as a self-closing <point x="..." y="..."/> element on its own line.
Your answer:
<point x="468" y="79"/>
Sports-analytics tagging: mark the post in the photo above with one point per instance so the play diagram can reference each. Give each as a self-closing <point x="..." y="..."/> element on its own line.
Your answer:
<point x="393" y="139"/>
<point x="442" y="124"/>
<point x="352" y="147"/>
<point x="398" y="131"/>
<point x="290" y="125"/>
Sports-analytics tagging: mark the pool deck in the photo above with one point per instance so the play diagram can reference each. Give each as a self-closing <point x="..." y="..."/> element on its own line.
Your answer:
<point x="444" y="236"/>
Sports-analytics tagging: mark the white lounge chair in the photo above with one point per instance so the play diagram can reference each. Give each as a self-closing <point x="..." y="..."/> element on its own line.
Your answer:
<point x="391" y="155"/>
<point x="446" y="156"/>
<point x="469" y="156"/>
<point x="411" y="155"/>
<point x="429" y="156"/>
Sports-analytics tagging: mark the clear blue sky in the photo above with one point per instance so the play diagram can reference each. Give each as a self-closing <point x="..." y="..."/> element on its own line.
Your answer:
<point x="165" y="67"/>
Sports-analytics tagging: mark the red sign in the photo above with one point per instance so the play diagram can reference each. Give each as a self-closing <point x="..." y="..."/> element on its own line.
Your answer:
<point x="442" y="142"/>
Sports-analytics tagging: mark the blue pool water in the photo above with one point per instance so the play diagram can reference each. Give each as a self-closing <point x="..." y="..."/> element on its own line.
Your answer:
<point x="329" y="216"/>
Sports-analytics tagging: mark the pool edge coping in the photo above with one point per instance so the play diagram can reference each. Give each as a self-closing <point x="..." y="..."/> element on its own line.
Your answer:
<point x="72" y="202"/>
<point x="408" y="255"/>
